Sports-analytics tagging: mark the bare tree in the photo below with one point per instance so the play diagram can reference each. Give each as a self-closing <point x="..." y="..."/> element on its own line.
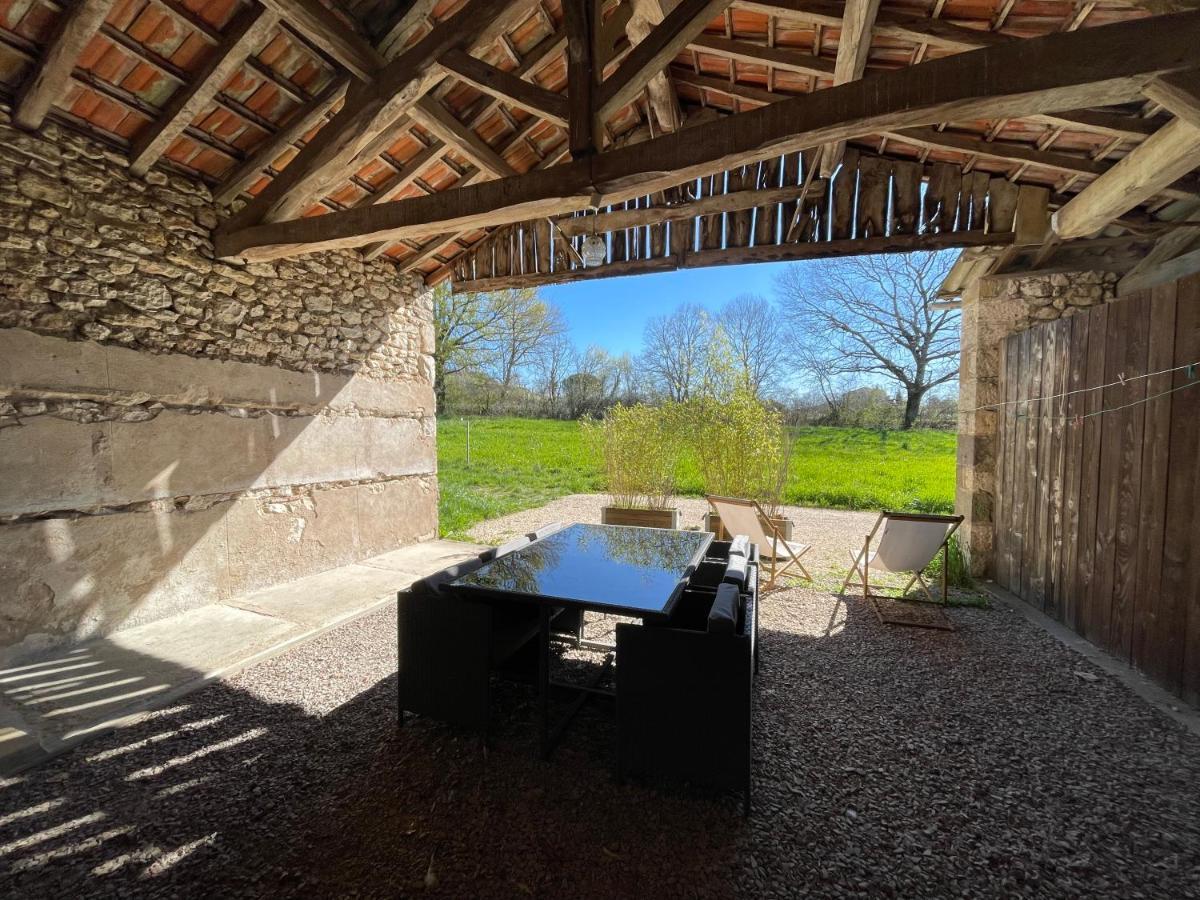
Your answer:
<point x="676" y="350"/>
<point x="463" y="327"/>
<point x="525" y="323"/>
<point x="753" y="333"/>
<point x="869" y="315"/>
<point x="551" y="364"/>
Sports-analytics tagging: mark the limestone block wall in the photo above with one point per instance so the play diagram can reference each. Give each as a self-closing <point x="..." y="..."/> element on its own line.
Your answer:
<point x="992" y="310"/>
<point x="174" y="430"/>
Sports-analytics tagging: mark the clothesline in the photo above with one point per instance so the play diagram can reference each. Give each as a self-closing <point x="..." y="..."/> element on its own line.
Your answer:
<point x="1122" y="380"/>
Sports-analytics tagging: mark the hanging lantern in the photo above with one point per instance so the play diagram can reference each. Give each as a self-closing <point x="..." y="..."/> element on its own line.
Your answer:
<point x="594" y="250"/>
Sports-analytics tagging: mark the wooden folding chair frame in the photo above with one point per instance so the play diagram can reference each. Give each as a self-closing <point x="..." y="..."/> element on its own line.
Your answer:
<point x="859" y="562"/>
<point x="772" y="532"/>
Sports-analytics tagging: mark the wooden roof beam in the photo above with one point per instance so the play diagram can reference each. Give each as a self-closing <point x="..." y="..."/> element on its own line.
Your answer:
<point x="301" y="123"/>
<point x="1179" y="94"/>
<point x="433" y="116"/>
<point x="1164" y="157"/>
<point x="249" y="31"/>
<point x="1039" y="75"/>
<point x="654" y="53"/>
<point x="646" y="16"/>
<point x="322" y="28"/>
<point x="1175" y="255"/>
<point x="505" y="86"/>
<point x="579" y="18"/>
<point x="371" y="110"/>
<point x="76" y="27"/>
<point x="854" y="46"/>
<point x="780" y="57"/>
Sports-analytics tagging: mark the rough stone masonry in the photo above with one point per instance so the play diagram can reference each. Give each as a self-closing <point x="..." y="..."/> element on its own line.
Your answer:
<point x="175" y="430"/>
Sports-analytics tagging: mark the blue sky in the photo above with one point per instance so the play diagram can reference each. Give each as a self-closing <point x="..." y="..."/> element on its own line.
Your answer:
<point x="612" y="312"/>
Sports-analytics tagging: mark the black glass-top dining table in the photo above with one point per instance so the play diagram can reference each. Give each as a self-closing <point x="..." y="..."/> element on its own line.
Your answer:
<point x="612" y="569"/>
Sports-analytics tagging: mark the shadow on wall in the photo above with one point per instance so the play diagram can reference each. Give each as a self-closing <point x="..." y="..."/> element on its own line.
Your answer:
<point x="138" y="485"/>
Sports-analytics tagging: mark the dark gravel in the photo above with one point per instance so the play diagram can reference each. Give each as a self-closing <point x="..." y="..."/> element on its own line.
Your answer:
<point x="888" y="763"/>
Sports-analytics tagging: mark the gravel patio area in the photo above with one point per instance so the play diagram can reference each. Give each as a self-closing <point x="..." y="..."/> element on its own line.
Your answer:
<point x="990" y="761"/>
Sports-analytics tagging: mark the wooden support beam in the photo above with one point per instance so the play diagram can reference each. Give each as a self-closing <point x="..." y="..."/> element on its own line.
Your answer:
<point x="779" y="57"/>
<point x="646" y="15"/>
<point x="897" y="25"/>
<point x="76" y="27"/>
<point x="301" y="123"/>
<point x="1178" y="93"/>
<point x="439" y="121"/>
<point x="1038" y="75"/>
<point x="1146" y="170"/>
<point x="322" y="28"/>
<point x="248" y="32"/>
<point x="578" y="18"/>
<point x="1175" y="255"/>
<point x="633" y="218"/>
<point x="736" y="256"/>
<point x="396" y="38"/>
<point x="371" y="110"/>
<point x="654" y="53"/>
<point x="854" y="46"/>
<point x="505" y="86"/>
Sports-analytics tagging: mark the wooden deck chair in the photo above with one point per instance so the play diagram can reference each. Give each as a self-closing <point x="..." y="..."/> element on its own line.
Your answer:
<point x="747" y="517"/>
<point x="909" y="543"/>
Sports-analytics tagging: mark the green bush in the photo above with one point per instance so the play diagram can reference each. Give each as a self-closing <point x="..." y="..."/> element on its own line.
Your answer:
<point x="958" y="568"/>
<point x="740" y="446"/>
<point x="639" y="449"/>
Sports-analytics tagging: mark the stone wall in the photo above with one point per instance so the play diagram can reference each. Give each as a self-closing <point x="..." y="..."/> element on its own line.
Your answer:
<point x="174" y="430"/>
<point x="992" y="310"/>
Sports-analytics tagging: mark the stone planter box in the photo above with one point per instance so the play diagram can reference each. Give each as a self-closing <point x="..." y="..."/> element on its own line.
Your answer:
<point x="643" y="518"/>
<point x="712" y="522"/>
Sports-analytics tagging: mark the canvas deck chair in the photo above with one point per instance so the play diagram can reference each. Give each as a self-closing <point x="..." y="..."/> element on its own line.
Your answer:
<point x="747" y="517"/>
<point x="909" y="543"/>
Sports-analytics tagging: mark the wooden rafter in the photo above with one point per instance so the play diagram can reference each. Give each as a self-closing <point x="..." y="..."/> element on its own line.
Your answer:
<point x="1179" y="93"/>
<point x="435" y="118"/>
<point x="302" y="121"/>
<point x="1035" y="76"/>
<point x="506" y="86"/>
<point x="322" y="28"/>
<point x="372" y="109"/>
<point x="644" y="16"/>
<point x="651" y="56"/>
<point x="854" y="46"/>
<point x="74" y="30"/>
<point x="249" y="31"/>
<point x="578" y="17"/>
<point x="789" y="60"/>
<point x="1164" y="157"/>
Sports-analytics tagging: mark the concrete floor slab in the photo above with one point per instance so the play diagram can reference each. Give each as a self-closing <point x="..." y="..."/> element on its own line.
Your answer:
<point x="53" y="700"/>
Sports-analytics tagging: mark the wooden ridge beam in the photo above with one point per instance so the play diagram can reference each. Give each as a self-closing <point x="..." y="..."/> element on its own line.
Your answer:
<point x="854" y="46"/>
<point x="322" y="28"/>
<point x="652" y="55"/>
<point x="1169" y="154"/>
<point x="75" y="28"/>
<point x="779" y="57"/>
<point x="633" y="218"/>
<point x="301" y="123"/>
<point x="506" y="86"/>
<point x="371" y="110"/>
<point x="247" y="33"/>
<point x="433" y="116"/>
<point x="1039" y="75"/>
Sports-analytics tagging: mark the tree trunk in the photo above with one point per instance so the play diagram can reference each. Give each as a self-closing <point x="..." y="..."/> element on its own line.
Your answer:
<point x="439" y="384"/>
<point x="912" y="409"/>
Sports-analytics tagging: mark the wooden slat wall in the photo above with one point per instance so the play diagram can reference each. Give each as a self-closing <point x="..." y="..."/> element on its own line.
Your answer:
<point x="1098" y="521"/>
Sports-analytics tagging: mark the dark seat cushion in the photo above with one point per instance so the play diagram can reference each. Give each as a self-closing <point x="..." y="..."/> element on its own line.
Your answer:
<point x="435" y="581"/>
<point x="545" y="531"/>
<point x="722" y="618"/>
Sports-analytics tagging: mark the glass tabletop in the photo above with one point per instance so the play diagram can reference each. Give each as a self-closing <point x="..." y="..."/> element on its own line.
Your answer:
<point x="635" y="570"/>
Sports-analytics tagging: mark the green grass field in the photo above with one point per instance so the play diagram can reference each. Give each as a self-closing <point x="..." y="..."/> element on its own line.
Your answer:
<point x="521" y="463"/>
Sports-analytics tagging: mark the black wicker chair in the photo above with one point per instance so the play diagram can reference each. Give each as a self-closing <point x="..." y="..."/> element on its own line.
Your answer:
<point x="449" y="647"/>
<point x="685" y="687"/>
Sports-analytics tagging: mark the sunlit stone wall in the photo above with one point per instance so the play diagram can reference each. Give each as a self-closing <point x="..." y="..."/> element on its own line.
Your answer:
<point x="176" y="431"/>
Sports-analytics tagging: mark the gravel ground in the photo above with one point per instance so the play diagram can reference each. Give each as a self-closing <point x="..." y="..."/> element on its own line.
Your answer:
<point x="991" y="761"/>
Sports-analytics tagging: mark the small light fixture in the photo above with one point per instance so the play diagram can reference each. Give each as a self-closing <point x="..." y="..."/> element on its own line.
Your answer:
<point x="595" y="250"/>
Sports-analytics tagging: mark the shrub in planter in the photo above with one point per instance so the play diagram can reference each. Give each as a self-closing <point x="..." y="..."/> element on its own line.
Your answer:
<point x="640" y="452"/>
<point x="741" y="449"/>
